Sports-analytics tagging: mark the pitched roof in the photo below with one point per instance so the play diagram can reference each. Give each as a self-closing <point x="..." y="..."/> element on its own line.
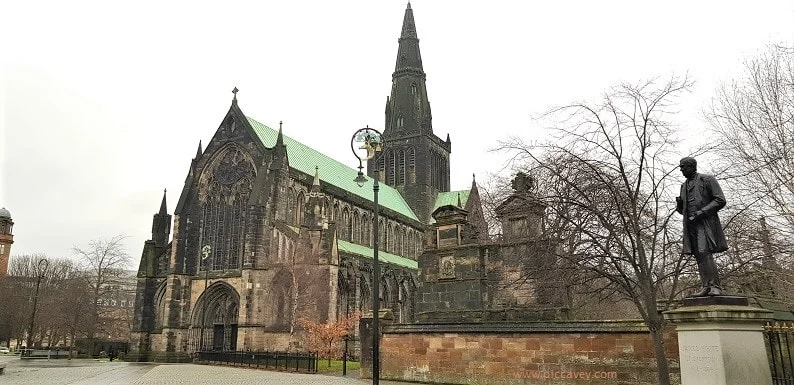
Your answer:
<point x="383" y="256"/>
<point x="304" y="159"/>
<point x="451" y="198"/>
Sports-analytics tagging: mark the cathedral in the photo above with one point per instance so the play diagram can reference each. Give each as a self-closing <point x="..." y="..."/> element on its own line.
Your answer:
<point x="268" y="230"/>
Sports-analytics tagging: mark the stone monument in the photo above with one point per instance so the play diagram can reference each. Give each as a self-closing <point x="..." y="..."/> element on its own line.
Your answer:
<point x="720" y="337"/>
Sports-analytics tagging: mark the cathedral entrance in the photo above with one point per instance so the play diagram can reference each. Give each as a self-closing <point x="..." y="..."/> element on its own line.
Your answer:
<point x="214" y="325"/>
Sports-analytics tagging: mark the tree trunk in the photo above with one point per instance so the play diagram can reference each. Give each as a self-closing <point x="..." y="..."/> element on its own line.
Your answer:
<point x="663" y="367"/>
<point x="71" y="342"/>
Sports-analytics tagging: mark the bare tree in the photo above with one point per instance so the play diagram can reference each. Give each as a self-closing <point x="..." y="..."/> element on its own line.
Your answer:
<point x="103" y="261"/>
<point x="609" y="186"/>
<point x="753" y="120"/>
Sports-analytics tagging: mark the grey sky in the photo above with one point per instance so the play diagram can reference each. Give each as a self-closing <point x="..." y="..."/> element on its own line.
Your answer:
<point x="105" y="102"/>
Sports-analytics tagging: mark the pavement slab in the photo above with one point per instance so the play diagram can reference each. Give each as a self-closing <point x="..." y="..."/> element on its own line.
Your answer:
<point x="93" y="372"/>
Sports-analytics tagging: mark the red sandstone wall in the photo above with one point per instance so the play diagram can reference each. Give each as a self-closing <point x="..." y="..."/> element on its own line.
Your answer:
<point x="525" y="358"/>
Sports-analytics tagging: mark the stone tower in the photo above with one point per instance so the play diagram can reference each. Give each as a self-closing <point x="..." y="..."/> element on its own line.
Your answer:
<point x="414" y="161"/>
<point x="6" y="239"/>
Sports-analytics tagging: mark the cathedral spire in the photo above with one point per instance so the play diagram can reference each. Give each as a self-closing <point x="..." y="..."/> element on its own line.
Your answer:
<point x="163" y="208"/>
<point x="199" y="151"/>
<point x="408" y="56"/>
<point x="408" y="108"/>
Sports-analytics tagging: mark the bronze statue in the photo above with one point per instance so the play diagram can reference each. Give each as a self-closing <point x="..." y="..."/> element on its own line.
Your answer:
<point x="701" y="197"/>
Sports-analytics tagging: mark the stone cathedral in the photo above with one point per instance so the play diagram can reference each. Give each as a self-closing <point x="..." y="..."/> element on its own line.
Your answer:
<point x="268" y="230"/>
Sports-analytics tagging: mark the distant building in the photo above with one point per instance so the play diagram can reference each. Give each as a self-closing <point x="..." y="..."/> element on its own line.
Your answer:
<point x="6" y="239"/>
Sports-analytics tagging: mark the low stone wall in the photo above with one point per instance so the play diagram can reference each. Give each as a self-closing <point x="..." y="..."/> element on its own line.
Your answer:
<point x="585" y="352"/>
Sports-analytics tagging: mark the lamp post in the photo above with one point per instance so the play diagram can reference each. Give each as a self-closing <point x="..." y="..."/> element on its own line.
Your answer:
<point x="206" y="251"/>
<point x="371" y="140"/>
<point x="41" y="269"/>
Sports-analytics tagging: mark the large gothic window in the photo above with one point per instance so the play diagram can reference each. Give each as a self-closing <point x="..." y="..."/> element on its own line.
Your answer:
<point x="225" y="195"/>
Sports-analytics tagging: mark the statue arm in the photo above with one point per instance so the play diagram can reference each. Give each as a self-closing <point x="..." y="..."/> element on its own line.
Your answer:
<point x="679" y="202"/>
<point x="717" y="201"/>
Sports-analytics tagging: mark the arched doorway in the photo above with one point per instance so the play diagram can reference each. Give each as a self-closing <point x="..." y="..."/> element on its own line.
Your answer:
<point x="215" y="318"/>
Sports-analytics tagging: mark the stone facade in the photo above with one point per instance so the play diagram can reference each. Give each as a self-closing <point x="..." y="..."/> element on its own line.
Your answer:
<point x="465" y="277"/>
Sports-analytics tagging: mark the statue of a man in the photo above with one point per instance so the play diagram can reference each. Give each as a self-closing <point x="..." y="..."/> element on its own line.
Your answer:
<point x="701" y="197"/>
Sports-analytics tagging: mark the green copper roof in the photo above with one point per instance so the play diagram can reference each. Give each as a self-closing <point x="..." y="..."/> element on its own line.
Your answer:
<point x="303" y="158"/>
<point x="451" y="198"/>
<point x="383" y="256"/>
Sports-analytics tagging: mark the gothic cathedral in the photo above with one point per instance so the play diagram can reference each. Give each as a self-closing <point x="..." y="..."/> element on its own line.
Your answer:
<point x="268" y="230"/>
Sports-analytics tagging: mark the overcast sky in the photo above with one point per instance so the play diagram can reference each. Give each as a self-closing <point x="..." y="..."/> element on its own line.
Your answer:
<point x="106" y="101"/>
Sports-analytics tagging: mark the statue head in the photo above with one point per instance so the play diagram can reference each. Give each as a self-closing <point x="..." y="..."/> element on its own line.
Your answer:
<point x="688" y="167"/>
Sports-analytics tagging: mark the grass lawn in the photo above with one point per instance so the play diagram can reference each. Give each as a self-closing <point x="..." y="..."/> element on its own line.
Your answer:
<point x="336" y="366"/>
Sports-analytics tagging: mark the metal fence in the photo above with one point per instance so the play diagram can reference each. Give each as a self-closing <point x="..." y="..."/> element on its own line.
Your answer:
<point x="780" y="344"/>
<point x="293" y="362"/>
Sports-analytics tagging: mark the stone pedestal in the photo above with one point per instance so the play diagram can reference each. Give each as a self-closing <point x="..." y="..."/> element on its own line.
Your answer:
<point x="721" y="344"/>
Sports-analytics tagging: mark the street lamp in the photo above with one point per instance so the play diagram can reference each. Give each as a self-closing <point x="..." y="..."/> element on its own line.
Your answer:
<point x="371" y="140"/>
<point x="206" y="251"/>
<point x="41" y="269"/>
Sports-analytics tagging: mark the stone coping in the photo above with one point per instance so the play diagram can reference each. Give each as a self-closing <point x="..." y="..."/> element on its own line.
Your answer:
<point x="718" y="313"/>
<point x="616" y="326"/>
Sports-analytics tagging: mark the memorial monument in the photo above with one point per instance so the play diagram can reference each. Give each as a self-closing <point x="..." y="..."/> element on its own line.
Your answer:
<point x="720" y="337"/>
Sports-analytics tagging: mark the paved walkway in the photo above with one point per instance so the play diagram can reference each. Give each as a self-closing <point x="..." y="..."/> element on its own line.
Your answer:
<point x="91" y="372"/>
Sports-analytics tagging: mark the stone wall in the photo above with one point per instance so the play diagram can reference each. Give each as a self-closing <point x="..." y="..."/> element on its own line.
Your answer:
<point x="583" y="352"/>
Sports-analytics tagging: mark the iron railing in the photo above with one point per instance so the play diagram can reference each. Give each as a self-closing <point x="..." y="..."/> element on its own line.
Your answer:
<point x="293" y="362"/>
<point x="780" y="345"/>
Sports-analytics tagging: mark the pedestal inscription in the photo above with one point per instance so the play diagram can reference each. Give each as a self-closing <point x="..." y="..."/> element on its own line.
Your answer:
<point x="704" y="358"/>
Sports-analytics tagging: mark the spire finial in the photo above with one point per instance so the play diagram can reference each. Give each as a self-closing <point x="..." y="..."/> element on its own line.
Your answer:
<point x="163" y="208"/>
<point x="199" y="151"/>
<point x="409" y="5"/>
<point x="280" y="137"/>
<point x="316" y="176"/>
<point x="234" y="91"/>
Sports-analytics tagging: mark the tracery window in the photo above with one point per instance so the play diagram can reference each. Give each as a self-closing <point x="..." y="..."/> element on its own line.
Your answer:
<point x="224" y="198"/>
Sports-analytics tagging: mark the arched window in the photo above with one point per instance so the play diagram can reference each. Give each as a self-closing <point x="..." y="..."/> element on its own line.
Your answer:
<point x="382" y="233"/>
<point x="400" y="122"/>
<point x="400" y="167"/>
<point x="391" y="237"/>
<point x="224" y="197"/>
<point x="391" y="171"/>
<point x="345" y="225"/>
<point x="413" y="88"/>
<point x="366" y="237"/>
<point x="410" y="245"/>
<point x="355" y="230"/>
<point x="411" y="157"/>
